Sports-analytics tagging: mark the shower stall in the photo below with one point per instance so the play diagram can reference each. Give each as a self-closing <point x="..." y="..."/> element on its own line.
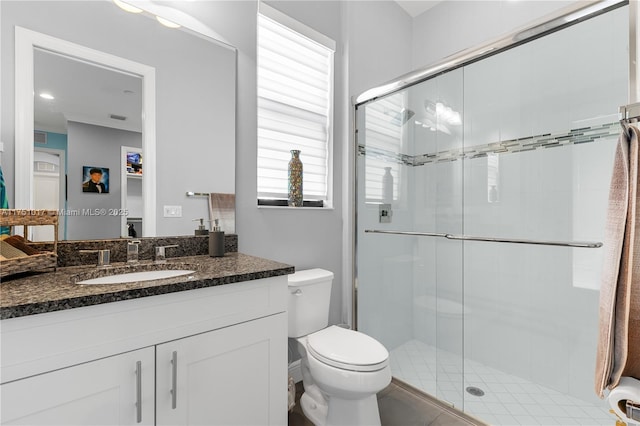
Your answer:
<point x="481" y="197"/>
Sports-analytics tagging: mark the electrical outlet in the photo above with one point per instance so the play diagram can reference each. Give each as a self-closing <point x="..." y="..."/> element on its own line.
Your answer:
<point x="172" y="211"/>
<point x="385" y="213"/>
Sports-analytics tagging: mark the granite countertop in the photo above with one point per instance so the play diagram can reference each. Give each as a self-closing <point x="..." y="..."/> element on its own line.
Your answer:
<point x="55" y="291"/>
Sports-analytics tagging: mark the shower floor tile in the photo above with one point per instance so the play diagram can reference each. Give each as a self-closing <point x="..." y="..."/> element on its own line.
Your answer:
<point x="508" y="400"/>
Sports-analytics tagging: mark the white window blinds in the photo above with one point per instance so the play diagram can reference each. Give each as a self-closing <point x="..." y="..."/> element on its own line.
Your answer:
<point x="295" y="104"/>
<point x="384" y="137"/>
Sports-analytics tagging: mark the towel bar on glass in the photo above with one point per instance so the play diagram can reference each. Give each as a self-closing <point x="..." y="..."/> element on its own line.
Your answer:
<point x="580" y="244"/>
<point x="197" y="194"/>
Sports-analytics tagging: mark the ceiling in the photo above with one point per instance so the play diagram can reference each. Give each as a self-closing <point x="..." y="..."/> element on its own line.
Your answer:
<point x="84" y="93"/>
<point x="417" y="7"/>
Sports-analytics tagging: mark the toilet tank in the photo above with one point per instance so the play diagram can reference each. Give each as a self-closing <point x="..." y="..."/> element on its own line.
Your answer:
<point x="308" y="305"/>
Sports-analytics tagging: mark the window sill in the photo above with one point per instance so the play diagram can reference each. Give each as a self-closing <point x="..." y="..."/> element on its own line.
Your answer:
<point x="282" y="204"/>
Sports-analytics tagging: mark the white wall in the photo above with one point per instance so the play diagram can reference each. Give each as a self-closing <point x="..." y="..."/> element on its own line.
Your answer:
<point x="373" y="45"/>
<point x="379" y="43"/>
<point x="95" y="146"/>
<point x="452" y="26"/>
<point x="380" y="39"/>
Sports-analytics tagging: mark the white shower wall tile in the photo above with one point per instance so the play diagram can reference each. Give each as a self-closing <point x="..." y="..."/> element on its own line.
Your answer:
<point x="590" y="208"/>
<point x="482" y="103"/>
<point x="549" y="78"/>
<point x="592" y="161"/>
<point x="512" y="118"/>
<point x="606" y="77"/>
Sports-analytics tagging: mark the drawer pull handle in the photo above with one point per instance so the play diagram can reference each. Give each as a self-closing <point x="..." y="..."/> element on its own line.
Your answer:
<point x="174" y="380"/>
<point x="139" y="392"/>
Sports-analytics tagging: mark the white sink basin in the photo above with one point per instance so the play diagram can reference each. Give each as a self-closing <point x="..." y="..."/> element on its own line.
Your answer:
<point x="137" y="276"/>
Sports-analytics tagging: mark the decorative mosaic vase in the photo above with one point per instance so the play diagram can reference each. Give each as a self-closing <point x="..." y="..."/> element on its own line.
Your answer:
<point x="295" y="179"/>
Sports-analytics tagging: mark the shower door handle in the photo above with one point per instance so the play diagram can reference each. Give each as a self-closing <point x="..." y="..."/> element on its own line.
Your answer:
<point x="578" y="244"/>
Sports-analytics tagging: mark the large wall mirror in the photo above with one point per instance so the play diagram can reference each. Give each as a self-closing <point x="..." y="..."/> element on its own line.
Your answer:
<point x="151" y="108"/>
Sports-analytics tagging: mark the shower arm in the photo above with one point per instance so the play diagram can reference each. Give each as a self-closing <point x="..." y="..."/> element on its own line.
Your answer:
<point x="578" y="244"/>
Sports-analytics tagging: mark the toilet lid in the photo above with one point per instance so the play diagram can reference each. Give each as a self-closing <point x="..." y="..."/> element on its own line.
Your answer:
<point x="347" y="349"/>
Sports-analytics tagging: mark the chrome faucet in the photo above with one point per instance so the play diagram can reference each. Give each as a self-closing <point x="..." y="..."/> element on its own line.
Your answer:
<point x="160" y="253"/>
<point x="132" y="251"/>
<point x="103" y="257"/>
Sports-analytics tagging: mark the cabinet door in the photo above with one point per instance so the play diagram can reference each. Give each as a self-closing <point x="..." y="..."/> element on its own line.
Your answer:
<point x="118" y="390"/>
<point x="232" y="376"/>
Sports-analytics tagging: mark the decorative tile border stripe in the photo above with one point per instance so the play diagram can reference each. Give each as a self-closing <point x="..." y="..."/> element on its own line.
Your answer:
<point x="385" y="155"/>
<point x="573" y="137"/>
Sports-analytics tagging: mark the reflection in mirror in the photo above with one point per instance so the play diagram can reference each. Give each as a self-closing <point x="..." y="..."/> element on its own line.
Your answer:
<point x="86" y="117"/>
<point x="188" y="81"/>
<point x="83" y="217"/>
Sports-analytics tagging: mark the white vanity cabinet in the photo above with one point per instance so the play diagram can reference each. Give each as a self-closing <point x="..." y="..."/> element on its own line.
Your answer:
<point x="118" y="390"/>
<point x="223" y="377"/>
<point x="214" y="356"/>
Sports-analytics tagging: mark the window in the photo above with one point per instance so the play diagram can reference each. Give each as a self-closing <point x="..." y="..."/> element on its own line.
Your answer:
<point x="295" y="106"/>
<point x="384" y="136"/>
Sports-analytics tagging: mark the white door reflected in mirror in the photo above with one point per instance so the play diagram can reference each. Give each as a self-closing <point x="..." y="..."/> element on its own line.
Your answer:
<point x="48" y="188"/>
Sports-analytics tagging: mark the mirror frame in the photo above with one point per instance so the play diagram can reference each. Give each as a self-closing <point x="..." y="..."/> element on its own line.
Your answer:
<point x="25" y="43"/>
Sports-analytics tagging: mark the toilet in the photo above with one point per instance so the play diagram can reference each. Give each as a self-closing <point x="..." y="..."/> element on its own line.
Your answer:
<point x="342" y="369"/>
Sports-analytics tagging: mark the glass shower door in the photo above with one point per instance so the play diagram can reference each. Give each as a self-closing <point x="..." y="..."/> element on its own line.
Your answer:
<point x="409" y="287"/>
<point x="518" y="145"/>
<point x="540" y="130"/>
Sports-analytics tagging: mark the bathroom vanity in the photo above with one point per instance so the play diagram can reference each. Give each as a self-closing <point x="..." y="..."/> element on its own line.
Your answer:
<point x="204" y="348"/>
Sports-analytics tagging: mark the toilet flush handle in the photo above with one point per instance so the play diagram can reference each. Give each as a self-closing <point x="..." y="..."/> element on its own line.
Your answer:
<point x="298" y="292"/>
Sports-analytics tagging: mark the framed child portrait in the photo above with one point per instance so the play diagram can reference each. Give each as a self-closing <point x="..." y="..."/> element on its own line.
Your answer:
<point x="95" y="179"/>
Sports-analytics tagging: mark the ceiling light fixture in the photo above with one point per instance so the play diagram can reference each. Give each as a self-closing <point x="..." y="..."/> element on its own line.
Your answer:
<point x="167" y="23"/>
<point x="130" y="8"/>
<point x="47" y="96"/>
<point x="126" y="6"/>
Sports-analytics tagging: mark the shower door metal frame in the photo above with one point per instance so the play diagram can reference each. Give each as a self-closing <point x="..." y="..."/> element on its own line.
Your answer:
<point x="563" y="18"/>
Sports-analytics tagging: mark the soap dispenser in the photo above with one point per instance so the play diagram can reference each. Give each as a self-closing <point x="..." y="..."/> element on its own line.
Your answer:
<point x="216" y="241"/>
<point x="201" y="229"/>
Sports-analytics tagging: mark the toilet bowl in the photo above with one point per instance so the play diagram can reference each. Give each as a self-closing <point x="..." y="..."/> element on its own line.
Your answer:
<point x="342" y="369"/>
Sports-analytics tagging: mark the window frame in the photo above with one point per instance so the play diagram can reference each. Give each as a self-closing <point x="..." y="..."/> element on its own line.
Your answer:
<point x="319" y="38"/>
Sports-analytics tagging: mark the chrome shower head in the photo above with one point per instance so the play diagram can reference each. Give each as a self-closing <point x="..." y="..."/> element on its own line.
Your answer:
<point x="401" y="117"/>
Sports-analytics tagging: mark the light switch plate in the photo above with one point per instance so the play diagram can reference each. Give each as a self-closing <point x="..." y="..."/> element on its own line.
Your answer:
<point x="172" y="211"/>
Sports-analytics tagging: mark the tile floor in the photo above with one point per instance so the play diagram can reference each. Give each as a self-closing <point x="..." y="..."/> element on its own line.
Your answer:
<point x="400" y="405"/>
<point x="508" y="400"/>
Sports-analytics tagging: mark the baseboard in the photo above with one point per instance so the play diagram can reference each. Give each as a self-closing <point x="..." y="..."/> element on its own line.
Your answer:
<point x="295" y="371"/>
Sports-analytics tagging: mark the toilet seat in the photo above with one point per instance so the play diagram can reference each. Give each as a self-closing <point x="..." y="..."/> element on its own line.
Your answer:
<point x="347" y="349"/>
